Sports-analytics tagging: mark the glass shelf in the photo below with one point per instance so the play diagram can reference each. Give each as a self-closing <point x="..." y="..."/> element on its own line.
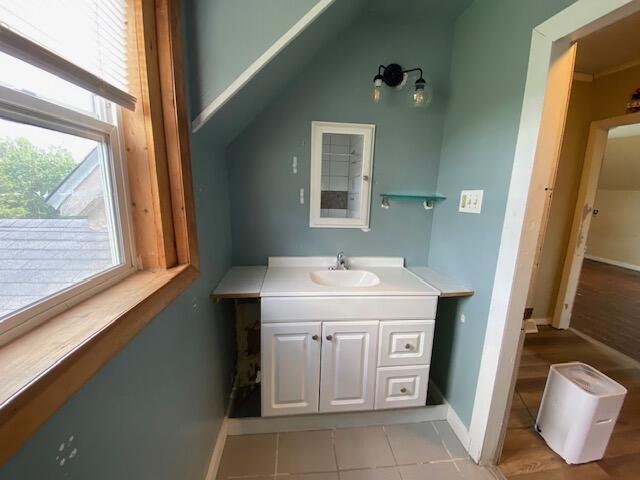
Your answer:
<point x="428" y="201"/>
<point x="406" y="196"/>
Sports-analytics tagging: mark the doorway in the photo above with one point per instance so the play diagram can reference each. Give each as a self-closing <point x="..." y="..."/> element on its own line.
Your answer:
<point x="607" y="302"/>
<point x="590" y="215"/>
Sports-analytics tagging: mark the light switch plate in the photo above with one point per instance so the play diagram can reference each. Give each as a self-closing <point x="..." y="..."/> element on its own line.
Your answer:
<point x="470" y="201"/>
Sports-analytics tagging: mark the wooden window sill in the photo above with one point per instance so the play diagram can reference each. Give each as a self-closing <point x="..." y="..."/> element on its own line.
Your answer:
<point x="42" y="369"/>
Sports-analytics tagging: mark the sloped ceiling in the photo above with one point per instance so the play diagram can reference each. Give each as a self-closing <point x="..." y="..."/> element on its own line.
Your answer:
<point x="268" y="83"/>
<point x="243" y="107"/>
<point x="451" y="8"/>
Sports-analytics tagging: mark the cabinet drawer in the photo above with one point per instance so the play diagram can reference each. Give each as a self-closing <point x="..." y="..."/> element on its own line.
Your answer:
<point x="405" y="343"/>
<point x="398" y="387"/>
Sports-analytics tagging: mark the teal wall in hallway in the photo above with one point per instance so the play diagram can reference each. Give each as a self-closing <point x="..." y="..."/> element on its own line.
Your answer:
<point x="231" y="35"/>
<point x="489" y="67"/>
<point x="267" y="218"/>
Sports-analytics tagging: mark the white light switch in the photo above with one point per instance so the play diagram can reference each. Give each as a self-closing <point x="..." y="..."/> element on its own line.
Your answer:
<point x="470" y="201"/>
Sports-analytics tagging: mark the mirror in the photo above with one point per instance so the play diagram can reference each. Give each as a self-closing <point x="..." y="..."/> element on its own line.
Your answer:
<point x="341" y="166"/>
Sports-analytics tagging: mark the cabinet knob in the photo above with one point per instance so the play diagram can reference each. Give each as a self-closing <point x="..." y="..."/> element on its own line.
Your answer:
<point x="315" y="337"/>
<point x="408" y="346"/>
<point x="403" y="390"/>
<point x="329" y="337"/>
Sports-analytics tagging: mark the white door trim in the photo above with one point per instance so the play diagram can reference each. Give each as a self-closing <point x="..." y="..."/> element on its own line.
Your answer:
<point x="577" y="246"/>
<point x="519" y="237"/>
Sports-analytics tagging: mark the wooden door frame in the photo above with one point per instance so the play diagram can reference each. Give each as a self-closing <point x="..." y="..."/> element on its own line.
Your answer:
<point x="524" y="218"/>
<point x="577" y="247"/>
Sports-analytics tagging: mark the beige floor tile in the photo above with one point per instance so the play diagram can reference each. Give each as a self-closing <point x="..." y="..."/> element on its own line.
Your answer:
<point x="248" y="455"/>
<point x="307" y="476"/>
<point x="431" y="471"/>
<point x="450" y="439"/>
<point x="415" y="443"/>
<point x="385" y="473"/>
<point x="362" y="448"/>
<point x="304" y="452"/>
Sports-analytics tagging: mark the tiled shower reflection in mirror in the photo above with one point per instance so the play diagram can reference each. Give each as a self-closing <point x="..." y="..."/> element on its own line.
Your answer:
<point x="341" y="175"/>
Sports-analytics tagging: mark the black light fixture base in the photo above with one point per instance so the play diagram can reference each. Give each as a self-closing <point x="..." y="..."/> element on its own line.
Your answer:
<point x="393" y="75"/>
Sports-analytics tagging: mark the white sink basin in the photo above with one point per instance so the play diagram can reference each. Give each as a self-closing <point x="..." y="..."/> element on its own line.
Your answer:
<point x="344" y="278"/>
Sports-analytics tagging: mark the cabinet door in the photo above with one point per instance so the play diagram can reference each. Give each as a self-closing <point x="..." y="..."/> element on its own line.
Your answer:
<point x="349" y="352"/>
<point x="290" y="368"/>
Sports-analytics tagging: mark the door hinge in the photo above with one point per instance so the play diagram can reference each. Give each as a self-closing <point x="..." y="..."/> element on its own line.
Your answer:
<point x="528" y="313"/>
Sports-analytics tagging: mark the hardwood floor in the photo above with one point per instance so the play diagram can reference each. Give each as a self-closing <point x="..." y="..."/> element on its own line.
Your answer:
<point x="607" y="306"/>
<point x="526" y="455"/>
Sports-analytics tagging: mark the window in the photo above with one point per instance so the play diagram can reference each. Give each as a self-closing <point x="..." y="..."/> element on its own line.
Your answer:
<point x="63" y="97"/>
<point x="64" y="228"/>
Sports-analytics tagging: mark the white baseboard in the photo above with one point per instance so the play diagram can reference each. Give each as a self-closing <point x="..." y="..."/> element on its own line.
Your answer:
<point x="216" y="456"/>
<point x="615" y="263"/>
<point x="452" y="418"/>
<point x="542" y="320"/>
<point x="458" y="427"/>
<point x="296" y="423"/>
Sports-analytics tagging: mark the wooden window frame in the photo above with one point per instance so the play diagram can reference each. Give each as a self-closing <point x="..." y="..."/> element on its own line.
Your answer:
<point x="37" y="376"/>
<point x="17" y="106"/>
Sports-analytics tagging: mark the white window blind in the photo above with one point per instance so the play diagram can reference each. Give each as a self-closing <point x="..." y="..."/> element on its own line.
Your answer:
<point x="82" y="41"/>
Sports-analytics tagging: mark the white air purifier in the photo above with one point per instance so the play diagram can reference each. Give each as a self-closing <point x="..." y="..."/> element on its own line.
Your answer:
<point x="579" y="409"/>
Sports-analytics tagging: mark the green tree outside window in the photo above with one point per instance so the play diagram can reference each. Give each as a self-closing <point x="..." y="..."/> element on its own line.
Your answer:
<point x="28" y="174"/>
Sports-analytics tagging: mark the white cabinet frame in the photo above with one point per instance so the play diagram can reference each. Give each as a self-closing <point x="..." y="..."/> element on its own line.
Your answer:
<point x="315" y="190"/>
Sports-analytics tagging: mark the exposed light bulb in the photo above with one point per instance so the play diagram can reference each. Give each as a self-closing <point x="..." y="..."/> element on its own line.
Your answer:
<point x="377" y="88"/>
<point x="418" y="97"/>
<point x="377" y="93"/>
<point x="422" y="95"/>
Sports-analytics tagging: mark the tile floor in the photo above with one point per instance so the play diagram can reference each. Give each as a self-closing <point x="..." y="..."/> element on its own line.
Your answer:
<point x="427" y="450"/>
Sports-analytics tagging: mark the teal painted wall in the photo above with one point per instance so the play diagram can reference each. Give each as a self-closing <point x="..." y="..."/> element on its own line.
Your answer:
<point x="154" y="411"/>
<point x="267" y="218"/>
<point x="489" y="66"/>
<point x="231" y="35"/>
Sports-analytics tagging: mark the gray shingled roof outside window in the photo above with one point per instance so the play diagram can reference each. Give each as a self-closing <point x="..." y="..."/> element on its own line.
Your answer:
<point x="39" y="257"/>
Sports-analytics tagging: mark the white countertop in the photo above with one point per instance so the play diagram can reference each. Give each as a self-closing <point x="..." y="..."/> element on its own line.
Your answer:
<point x="290" y="277"/>
<point x="240" y="282"/>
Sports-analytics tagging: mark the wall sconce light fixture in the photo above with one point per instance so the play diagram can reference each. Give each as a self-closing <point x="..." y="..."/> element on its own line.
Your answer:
<point x="393" y="75"/>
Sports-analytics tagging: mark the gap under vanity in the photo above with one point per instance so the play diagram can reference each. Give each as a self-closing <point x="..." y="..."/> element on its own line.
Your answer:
<point x="325" y="342"/>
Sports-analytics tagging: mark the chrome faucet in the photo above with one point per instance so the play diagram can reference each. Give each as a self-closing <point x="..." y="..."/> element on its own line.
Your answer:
<point x="341" y="263"/>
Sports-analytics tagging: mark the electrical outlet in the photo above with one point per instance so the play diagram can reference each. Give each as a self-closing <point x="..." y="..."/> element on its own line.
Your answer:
<point x="470" y="201"/>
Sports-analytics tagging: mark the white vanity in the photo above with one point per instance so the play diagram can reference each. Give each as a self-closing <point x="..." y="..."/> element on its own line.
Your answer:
<point x="344" y="340"/>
